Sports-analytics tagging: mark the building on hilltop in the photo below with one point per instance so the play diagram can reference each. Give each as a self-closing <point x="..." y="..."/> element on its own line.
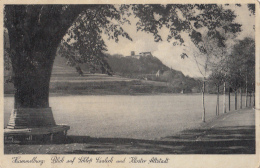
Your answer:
<point x="133" y="55"/>
<point x="145" y="54"/>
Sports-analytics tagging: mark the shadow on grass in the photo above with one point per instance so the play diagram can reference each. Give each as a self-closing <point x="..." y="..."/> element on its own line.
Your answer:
<point x="225" y="140"/>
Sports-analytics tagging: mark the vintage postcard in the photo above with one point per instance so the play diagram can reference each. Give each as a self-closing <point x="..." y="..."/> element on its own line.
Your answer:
<point x="130" y="83"/>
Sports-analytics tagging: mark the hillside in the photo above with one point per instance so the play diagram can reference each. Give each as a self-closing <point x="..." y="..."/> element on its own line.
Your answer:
<point x="147" y="67"/>
<point x="143" y="68"/>
<point x="134" y="66"/>
<point x="131" y="76"/>
<point x="60" y="66"/>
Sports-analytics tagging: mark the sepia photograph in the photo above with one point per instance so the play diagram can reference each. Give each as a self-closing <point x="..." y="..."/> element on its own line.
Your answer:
<point x="129" y="79"/>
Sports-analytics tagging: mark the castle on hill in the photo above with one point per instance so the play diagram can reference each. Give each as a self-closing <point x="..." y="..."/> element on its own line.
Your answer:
<point x="133" y="55"/>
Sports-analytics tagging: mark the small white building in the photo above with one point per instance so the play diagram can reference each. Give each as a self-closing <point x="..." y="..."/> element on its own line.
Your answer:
<point x="145" y="54"/>
<point x="133" y="55"/>
<point x="159" y="73"/>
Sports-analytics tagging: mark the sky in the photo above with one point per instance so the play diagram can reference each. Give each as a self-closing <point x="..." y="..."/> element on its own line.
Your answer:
<point x="165" y="51"/>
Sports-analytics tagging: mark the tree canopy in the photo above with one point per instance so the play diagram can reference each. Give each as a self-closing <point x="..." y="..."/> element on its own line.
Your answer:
<point x="84" y="43"/>
<point x="238" y="67"/>
<point x="36" y="31"/>
<point x="242" y="64"/>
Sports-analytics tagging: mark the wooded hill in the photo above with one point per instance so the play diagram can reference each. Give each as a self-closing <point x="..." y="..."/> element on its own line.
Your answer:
<point x="146" y="68"/>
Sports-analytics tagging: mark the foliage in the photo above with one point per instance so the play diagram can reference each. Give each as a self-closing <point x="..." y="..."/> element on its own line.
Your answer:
<point x="251" y="8"/>
<point x="217" y="77"/>
<point x="242" y="63"/>
<point x="177" y="18"/>
<point x="238" y="68"/>
<point x="213" y="29"/>
<point x="83" y="42"/>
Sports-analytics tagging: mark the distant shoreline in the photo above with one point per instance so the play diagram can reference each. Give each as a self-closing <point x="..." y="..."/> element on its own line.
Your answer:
<point x="136" y="94"/>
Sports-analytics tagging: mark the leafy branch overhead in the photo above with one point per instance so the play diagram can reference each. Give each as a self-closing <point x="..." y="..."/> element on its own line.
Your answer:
<point x="81" y="28"/>
<point x="84" y="43"/>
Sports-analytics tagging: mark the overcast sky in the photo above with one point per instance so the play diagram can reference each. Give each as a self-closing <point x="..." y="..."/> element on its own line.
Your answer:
<point x="166" y="52"/>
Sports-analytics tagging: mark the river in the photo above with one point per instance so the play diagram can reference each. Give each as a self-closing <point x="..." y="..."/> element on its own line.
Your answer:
<point x="124" y="116"/>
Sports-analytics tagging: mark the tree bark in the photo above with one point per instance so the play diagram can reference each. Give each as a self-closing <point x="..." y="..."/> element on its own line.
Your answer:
<point x="31" y="91"/>
<point x="79" y="71"/>
<point x="229" y="99"/>
<point x="32" y="70"/>
<point x="224" y="98"/>
<point x="34" y="34"/>
<point x="236" y="99"/>
<point x="31" y="83"/>
<point x="217" y="113"/>
<point x="240" y="98"/>
<point x="254" y="99"/>
<point x="35" y="31"/>
<point x="246" y="93"/>
<point x="32" y="88"/>
<point x="203" y="102"/>
<point x="250" y="95"/>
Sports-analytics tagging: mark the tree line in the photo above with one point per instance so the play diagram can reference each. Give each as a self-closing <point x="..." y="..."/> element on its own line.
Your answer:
<point x="236" y="73"/>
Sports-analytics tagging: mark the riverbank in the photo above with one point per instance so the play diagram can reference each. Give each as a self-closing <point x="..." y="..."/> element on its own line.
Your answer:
<point x="230" y="133"/>
<point x="100" y="84"/>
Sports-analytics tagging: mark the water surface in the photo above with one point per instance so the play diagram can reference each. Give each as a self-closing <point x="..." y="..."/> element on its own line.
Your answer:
<point x="124" y="116"/>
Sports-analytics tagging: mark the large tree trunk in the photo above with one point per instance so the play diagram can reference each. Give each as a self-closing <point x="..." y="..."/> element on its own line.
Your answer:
<point x="31" y="91"/>
<point x="32" y="66"/>
<point x="32" y="88"/>
<point x="31" y="83"/>
<point x="34" y="37"/>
